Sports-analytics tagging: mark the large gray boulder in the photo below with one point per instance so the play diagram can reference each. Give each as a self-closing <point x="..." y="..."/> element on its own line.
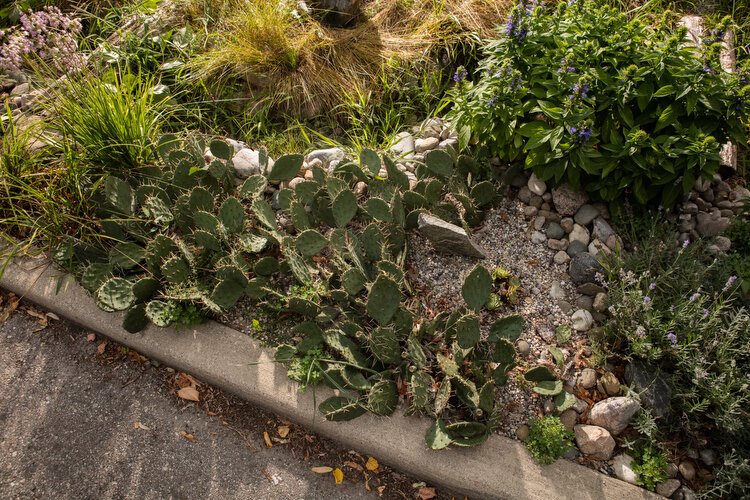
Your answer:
<point x="651" y="386"/>
<point x="447" y="237"/>
<point x="583" y="268"/>
<point x="614" y="414"/>
<point x="337" y="12"/>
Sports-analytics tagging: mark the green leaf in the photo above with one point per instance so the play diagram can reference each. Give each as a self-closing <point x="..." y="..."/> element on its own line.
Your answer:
<point x="437" y="436"/>
<point x="286" y="167"/>
<point x="383" y="398"/>
<point x="477" y="287"/>
<point x="549" y="387"/>
<point x="665" y="118"/>
<point x="340" y="408"/>
<point x="664" y="91"/>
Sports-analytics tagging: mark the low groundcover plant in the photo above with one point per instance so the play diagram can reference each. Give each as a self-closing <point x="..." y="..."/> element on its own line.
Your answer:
<point x="587" y="96"/>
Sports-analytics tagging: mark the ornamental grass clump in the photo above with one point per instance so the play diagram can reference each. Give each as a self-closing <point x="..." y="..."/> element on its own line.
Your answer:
<point x="585" y="95"/>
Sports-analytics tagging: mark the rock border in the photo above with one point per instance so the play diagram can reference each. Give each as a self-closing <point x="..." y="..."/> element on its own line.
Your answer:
<point x="501" y="468"/>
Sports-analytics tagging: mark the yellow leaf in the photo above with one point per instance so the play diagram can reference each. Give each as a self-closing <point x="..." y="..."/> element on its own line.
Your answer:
<point x="372" y="464"/>
<point x="322" y="469"/>
<point x="283" y="430"/>
<point x="338" y="475"/>
<point x="189" y="393"/>
<point x="267" y="439"/>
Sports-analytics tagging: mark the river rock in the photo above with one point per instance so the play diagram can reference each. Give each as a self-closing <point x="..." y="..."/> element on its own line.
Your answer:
<point x="448" y="237"/>
<point x="567" y="201"/>
<point x="668" y="487"/>
<point x="536" y="185"/>
<point x="587" y="378"/>
<point x="583" y="268"/>
<point x="326" y="156"/>
<point x="653" y="390"/>
<point x="586" y="214"/>
<point x="582" y="321"/>
<point x="555" y="231"/>
<point x="594" y="441"/>
<point x="580" y="233"/>
<point x="403" y="145"/>
<point x="614" y="414"/>
<point x="622" y="465"/>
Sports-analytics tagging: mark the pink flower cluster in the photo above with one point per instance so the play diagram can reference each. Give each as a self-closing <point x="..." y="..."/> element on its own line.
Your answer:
<point x="47" y="34"/>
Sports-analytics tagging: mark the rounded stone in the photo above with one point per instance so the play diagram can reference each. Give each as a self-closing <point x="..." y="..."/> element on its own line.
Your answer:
<point x="586" y="214"/>
<point x="587" y="378"/>
<point x="580" y="233"/>
<point x="622" y="465"/>
<point x="522" y="432"/>
<point x="575" y="248"/>
<point x="582" y="320"/>
<point x="561" y="257"/>
<point x="583" y="268"/>
<point x="687" y="470"/>
<point x="555" y="231"/>
<point x="567" y="200"/>
<point x="600" y="303"/>
<point x="523" y="348"/>
<point x="614" y="414"/>
<point x="594" y="441"/>
<point x="569" y="418"/>
<point x="536" y="185"/>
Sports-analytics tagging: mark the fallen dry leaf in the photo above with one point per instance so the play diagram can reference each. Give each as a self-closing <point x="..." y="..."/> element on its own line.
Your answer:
<point x="100" y="348"/>
<point x="185" y="380"/>
<point x="187" y="436"/>
<point x="189" y="393"/>
<point x="53" y="316"/>
<point x="323" y="469"/>
<point x="267" y="439"/>
<point x="372" y="464"/>
<point x="426" y="493"/>
<point x="338" y="475"/>
<point x="283" y="430"/>
<point x="138" y="425"/>
<point x="91" y="337"/>
<point x="381" y="490"/>
<point x="354" y="465"/>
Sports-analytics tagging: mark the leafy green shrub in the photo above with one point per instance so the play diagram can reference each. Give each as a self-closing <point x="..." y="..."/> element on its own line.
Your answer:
<point x="739" y="255"/>
<point x="650" y="464"/>
<point x="548" y="439"/>
<point x="603" y="102"/>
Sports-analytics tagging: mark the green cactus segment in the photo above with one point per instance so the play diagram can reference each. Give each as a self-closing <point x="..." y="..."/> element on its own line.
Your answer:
<point x="484" y="193"/>
<point x="467" y="434"/>
<point x="305" y="191"/>
<point x="346" y="347"/>
<point x="557" y="355"/>
<point x="126" y="255"/>
<point x="353" y="281"/>
<point x="145" y="288"/>
<point x="157" y="211"/>
<point x="286" y="167"/>
<point x="264" y="213"/>
<point x="232" y="215"/>
<point x="383" y="398"/>
<point x="300" y="219"/>
<point x="384" y="345"/>
<point x="311" y="242"/>
<point x="298" y="267"/>
<point x="448" y="366"/>
<point x="176" y="270"/>
<point x="161" y="313"/>
<point x="135" y="319"/>
<point x="477" y="287"/>
<point x="252" y="243"/>
<point x="487" y="397"/>
<point x="226" y="293"/>
<point x="379" y="209"/>
<point x="266" y="266"/>
<point x="391" y="269"/>
<point x="344" y="207"/>
<point x="439" y="163"/>
<point x="94" y="275"/>
<point x="505" y="352"/>
<point x="416" y="352"/>
<point x="206" y="221"/>
<point x="420" y="385"/>
<point x="539" y="374"/>
<point x="442" y="397"/>
<point x="336" y="186"/>
<point x="221" y="149"/>
<point x="369" y="159"/>
<point x="354" y="379"/>
<point x="206" y="240"/>
<point x="340" y="408"/>
<point x="564" y="400"/>
<point x="549" y="387"/>
<point x="510" y="327"/>
<point x="383" y="300"/>
<point x="437" y="436"/>
<point x="372" y="241"/>
<point x="232" y="273"/>
<point x="253" y="187"/>
<point x="312" y="335"/>
<point x="395" y="175"/>
<point x="119" y="195"/>
<point x="467" y="331"/>
<point x="116" y="294"/>
<point x="466" y="391"/>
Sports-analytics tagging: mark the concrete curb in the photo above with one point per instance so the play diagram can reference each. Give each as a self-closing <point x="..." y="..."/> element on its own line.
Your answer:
<point x="501" y="468"/>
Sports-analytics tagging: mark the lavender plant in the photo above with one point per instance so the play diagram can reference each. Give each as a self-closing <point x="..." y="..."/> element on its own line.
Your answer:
<point x="47" y="35"/>
<point x="585" y="95"/>
<point x="696" y="334"/>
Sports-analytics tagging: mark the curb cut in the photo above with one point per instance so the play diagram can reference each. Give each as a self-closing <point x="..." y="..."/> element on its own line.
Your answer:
<point x="501" y="468"/>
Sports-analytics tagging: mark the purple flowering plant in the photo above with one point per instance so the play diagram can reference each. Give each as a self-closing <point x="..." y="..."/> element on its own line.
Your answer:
<point x="608" y="103"/>
<point x="46" y="36"/>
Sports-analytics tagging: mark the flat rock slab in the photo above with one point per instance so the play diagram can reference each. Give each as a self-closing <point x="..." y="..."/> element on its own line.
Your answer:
<point x="501" y="468"/>
<point x="447" y="237"/>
